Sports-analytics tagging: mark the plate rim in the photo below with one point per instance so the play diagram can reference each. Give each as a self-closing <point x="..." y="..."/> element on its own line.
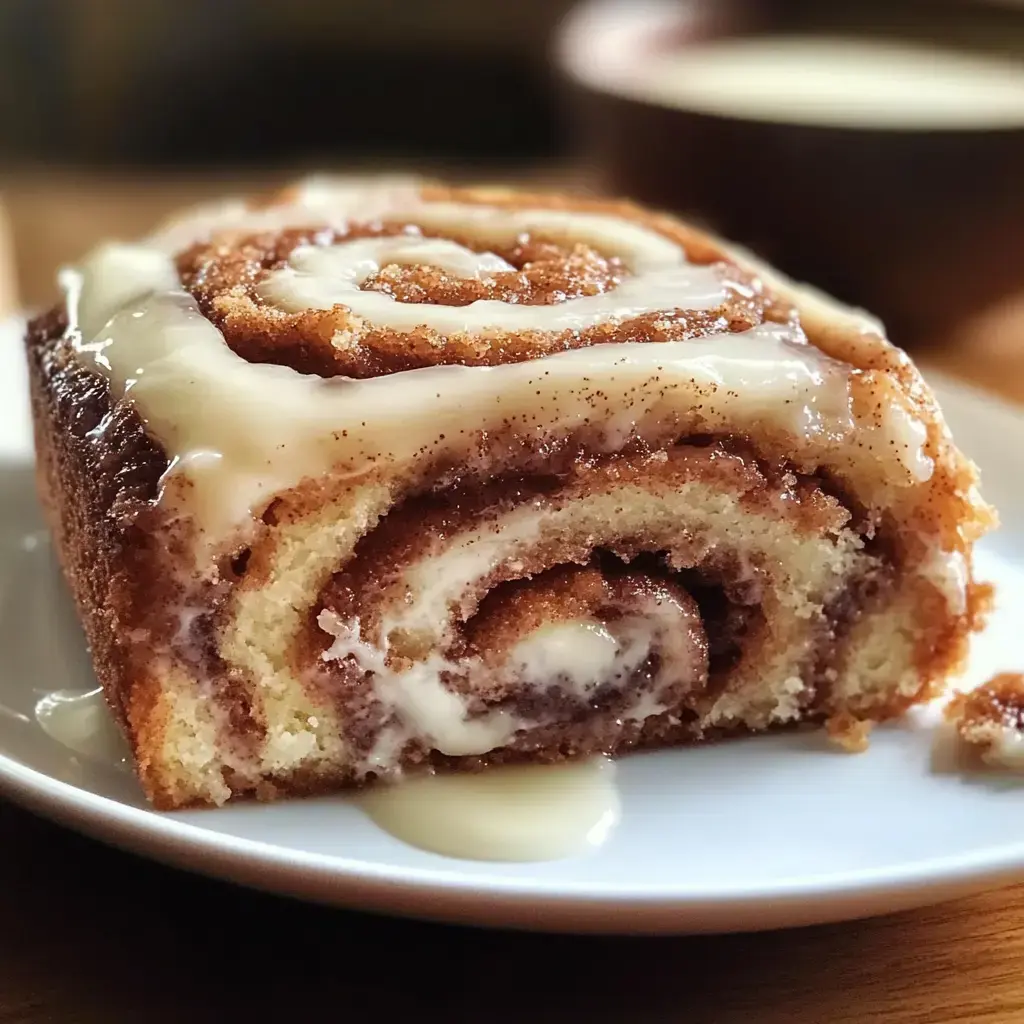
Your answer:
<point x="533" y="904"/>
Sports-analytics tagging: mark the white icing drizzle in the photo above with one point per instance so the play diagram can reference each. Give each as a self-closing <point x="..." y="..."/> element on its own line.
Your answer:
<point x="424" y="706"/>
<point x="81" y="721"/>
<point x="576" y="656"/>
<point x="583" y="654"/>
<point x="321" y="277"/>
<point x="209" y="407"/>
<point x="529" y="813"/>
<point x="639" y="247"/>
<point x="1004" y="748"/>
<point x="948" y="571"/>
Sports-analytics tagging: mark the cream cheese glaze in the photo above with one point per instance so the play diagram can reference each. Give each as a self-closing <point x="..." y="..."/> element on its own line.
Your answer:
<point x="583" y="654"/>
<point x="81" y="721"/>
<point x="577" y="657"/>
<point x="418" y="698"/>
<point x="131" y="321"/>
<point x="321" y="277"/>
<point x="1005" y="749"/>
<point x="521" y="813"/>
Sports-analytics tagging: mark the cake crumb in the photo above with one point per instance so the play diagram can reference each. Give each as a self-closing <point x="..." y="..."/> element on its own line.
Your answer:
<point x="848" y="732"/>
<point x="990" y="719"/>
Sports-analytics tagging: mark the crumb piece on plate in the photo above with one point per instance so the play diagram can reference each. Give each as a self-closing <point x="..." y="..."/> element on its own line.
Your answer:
<point x="849" y="733"/>
<point x="991" y="720"/>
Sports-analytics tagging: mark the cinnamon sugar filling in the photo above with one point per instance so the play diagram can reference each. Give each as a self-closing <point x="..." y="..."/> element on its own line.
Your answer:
<point x="580" y="645"/>
<point x="224" y="276"/>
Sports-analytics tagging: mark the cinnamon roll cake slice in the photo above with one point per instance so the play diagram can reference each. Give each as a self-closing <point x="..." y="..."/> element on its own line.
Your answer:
<point x="381" y="476"/>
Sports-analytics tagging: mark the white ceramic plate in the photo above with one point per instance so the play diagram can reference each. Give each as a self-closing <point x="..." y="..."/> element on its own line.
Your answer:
<point x="747" y="835"/>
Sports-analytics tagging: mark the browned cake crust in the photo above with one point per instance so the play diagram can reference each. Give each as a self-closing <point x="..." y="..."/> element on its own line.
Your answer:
<point x="605" y="556"/>
<point x="95" y="490"/>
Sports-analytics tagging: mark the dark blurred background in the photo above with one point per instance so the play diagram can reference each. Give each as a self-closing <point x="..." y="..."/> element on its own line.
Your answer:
<point x="201" y="83"/>
<point x="187" y="83"/>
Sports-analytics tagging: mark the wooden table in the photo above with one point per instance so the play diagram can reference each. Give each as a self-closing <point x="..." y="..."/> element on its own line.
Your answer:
<point x="94" y="936"/>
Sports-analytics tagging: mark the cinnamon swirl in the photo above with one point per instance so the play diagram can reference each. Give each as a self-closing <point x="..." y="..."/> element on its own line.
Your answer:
<point x="385" y="475"/>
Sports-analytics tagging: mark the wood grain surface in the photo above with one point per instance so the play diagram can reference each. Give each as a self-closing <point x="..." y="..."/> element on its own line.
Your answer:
<point x="95" y="936"/>
<point x="91" y="935"/>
